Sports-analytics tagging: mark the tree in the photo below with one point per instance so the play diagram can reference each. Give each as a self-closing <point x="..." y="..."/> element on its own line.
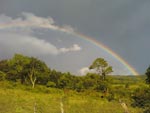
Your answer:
<point x="54" y="76"/>
<point x="28" y="70"/>
<point x="65" y="80"/>
<point x="37" y="72"/>
<point x="102" y="67"/>
<point x="148" y="75"/>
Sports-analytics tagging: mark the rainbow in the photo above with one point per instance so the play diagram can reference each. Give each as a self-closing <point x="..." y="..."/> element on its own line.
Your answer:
<point x="109" y="51"/>
<point x="87" y="38"/>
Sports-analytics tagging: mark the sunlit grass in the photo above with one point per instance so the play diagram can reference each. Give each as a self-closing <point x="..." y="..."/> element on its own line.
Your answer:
<point x="23" y="99"/>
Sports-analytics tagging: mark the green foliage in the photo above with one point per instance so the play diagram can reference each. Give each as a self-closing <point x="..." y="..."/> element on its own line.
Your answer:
<point x="4" y="66"/>
<point x="141" y="99"/>
<point x="28" y="70"/>
<point x="54" y="77"/>
<point x="101" y="67"/>
<point x="141" y="95"/>
<point x="47" y="100"/>
<point x="103" y="86"/>
<point x="127" y="85"/>
<point x="50" y="84"/>
<point x="17" y="68"/>
<point x="37" y="71"/>
<point x="148" y="75"/>
<point x="65" y="80"/>
<point x="2" y="76"/>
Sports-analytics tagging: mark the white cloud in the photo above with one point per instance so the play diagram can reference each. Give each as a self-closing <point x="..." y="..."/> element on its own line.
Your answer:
<point x="16" y="35"/>
<point x="85" y="70"/>
<point x="26" y="44"/>
<point x="16" y="43"/>
<point x="29" y="20"/>
<point x="75" y="47"/>
<point x="117" y="71"/>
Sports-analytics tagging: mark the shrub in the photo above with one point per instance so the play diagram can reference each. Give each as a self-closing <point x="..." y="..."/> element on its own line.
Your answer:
<point x="2" y="76"/>
<point x="51" y="84"/>
<point x="141" y="99"/>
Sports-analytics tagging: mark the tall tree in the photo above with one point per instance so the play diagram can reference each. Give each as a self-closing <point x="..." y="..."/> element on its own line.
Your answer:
<point x="102" y="67"/>
<point x="148" y="75"/>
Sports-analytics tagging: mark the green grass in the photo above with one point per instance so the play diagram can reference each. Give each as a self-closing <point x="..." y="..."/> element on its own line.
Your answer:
<point x="16" y="98"/>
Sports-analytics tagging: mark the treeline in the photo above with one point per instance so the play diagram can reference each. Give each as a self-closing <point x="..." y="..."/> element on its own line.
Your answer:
<point x="32" y="71"/>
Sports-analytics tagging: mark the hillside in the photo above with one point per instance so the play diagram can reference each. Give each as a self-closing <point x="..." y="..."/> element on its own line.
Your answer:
<point x="17" y="98"/>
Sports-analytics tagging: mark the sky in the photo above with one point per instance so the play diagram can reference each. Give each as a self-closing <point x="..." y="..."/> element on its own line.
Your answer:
<point x="46" y="29"/>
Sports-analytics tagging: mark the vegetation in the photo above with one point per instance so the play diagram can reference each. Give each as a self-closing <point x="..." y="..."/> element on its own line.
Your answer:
<point x="148" y="75"/>
<point x="142" y="95"/>
<point x="20" y="98"/>
<point x="35" y="88"/>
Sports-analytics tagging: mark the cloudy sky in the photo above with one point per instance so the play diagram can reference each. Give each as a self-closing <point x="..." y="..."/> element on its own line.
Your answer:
<point x="45" y="29"/>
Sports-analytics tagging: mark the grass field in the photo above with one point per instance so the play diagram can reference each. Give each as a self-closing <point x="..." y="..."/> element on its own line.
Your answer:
<point x="16" y="98"/>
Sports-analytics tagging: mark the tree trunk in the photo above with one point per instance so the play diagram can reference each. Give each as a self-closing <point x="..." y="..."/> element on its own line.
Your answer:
<point x="32" y="78"/>
<point x="33" y="81"/>
<point x="33" y="85"/>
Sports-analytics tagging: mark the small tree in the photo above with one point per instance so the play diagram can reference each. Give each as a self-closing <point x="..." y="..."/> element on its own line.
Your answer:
<point x="101" y="67"/>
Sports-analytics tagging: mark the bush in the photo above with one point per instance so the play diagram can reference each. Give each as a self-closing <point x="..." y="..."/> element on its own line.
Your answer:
<point x="2" y="76"/>
<point x="141" y="99"/>
<point x="111" y="97"/>
<point x="127" y="85"/>
<point x="103" y="86"/>
<point x="51" y="84"/>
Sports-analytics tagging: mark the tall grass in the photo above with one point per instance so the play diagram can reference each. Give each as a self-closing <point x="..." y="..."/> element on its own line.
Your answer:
<point x="15" y="98"/>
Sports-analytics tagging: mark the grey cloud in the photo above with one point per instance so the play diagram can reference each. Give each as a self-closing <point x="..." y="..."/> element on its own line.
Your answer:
<point x="14" y="37"/>
<point x="30" y="45"/>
